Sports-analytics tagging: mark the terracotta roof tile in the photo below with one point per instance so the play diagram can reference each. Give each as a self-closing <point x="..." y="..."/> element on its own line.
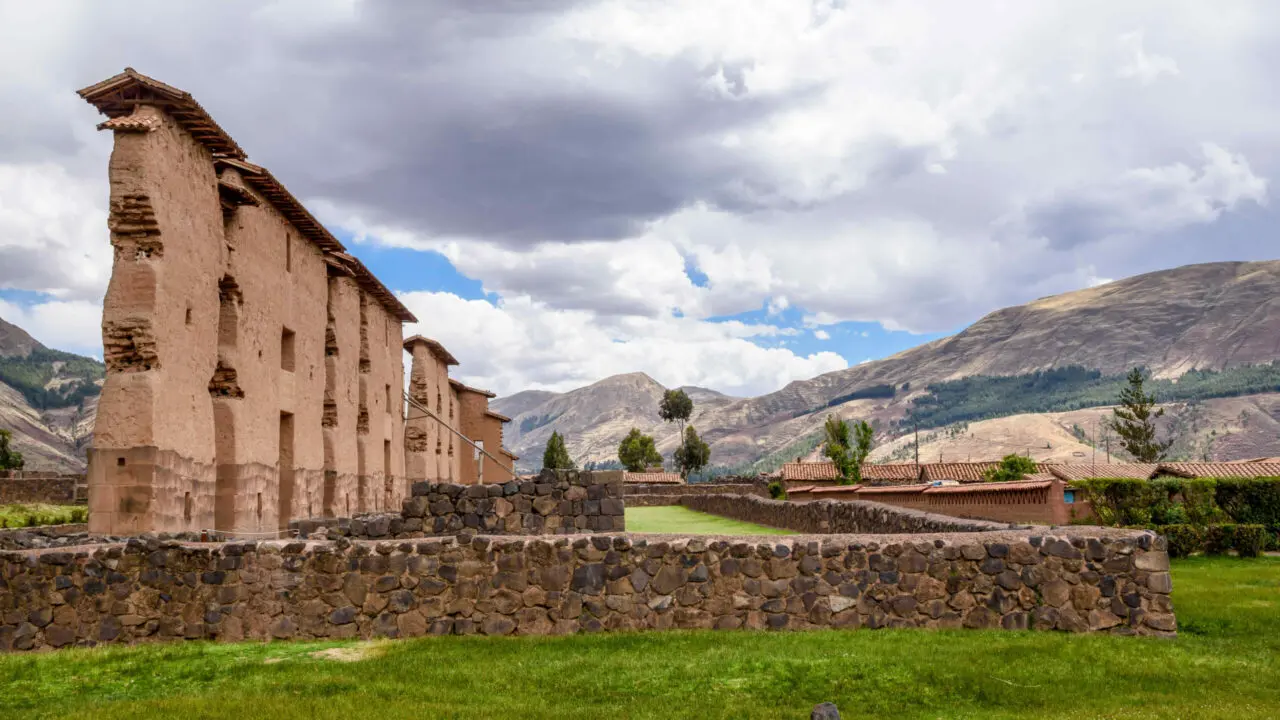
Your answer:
<point x="890" y="471"/>
<point x="131" y="123"/>
<point x="836" y="490"/>
<point x="1219" y="470"/>
<point x="1085" y="471"/>
<point x="964" y="471"/>
<point x="653" y="478"/>
<point x="991" y="487"/>
<point x="809" y="471"/>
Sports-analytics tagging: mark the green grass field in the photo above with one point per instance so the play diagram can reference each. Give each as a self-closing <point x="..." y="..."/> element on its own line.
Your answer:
<point x="31" y="514"/>
<point x="676" y="519"/>
<point x="1225" y="664"/>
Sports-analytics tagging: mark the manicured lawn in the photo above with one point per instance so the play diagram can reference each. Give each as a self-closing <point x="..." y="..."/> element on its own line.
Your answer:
<point x="1225" y="664"/>
<point x="676" y="519"/>
<point x="28" y="514"/>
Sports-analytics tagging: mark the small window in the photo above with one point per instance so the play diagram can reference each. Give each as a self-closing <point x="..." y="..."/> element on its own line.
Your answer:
<point x="120" y="462"/>
<point x="1069" y="496"/>
<point x="259" y="506"/>
<point x="186" y="507"/>
<point x="388" y="399"/>
<point x="188" y="314"/>
<point x="286" y="350"/>
<point x="288" y="252"/>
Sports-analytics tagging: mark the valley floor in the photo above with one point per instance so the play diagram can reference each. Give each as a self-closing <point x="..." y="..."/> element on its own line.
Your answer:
<point x="1224" y="664"/>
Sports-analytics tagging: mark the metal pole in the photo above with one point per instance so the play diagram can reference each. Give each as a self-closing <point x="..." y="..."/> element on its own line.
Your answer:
<point x="415" y="404"/>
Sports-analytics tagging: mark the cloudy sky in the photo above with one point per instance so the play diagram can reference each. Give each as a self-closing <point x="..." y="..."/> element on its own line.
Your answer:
<point x="716" y="192"/>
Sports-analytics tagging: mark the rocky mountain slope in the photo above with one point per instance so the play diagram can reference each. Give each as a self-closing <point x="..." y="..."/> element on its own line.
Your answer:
<point x="1213" y="316"/>
<point x="48" y="400"/>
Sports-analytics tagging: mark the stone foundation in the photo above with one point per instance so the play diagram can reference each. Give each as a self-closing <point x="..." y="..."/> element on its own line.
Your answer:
<point x="142" y="591"/>
<point x="35" y="486"/>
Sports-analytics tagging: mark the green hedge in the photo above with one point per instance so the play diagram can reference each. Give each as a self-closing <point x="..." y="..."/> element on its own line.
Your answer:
<point x="1184" y="540"/>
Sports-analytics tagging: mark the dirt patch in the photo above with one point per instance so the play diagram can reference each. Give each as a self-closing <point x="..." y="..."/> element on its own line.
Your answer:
<point x="352" y="653"/>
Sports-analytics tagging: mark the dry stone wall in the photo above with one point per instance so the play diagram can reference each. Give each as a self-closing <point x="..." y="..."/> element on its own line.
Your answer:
<point x="828" y="516"/>
<point x="28" y="486"/>
<point x="560" y="502"/>
<point x="152" y="590"/>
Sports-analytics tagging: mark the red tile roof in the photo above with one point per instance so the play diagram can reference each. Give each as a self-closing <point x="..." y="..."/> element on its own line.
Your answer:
<point x="1219" y="470"/>
<point x="965" y="471"/>
<point x="991" y="487"/>
<point x="653" y="478"/>
<point x="434" y="346"/>
<point x="1085" y="471"/>
<point x="890" y="471"/>
<point x="131" y="123"/>
<point x="809" y="471"/>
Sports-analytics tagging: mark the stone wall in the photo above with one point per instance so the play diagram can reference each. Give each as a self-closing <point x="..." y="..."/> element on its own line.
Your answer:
<point x="828" y="516"/>
<point x="1112" y="581"/>
<point x="35" y="486"/>
<point x="559" y="502"/>
<point x="759" y="489"/>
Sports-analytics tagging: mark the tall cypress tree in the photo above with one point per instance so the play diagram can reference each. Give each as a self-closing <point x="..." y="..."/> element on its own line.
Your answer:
<point x="556" y="456"/>
<point x="1134" y="421"/>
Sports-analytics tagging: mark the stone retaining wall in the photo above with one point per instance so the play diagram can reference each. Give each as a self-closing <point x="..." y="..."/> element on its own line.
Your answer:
<point x="36" y="486"/>
<point x="828" y="516"/>
<point x="151" y="590"/>
<point x="557" y="502"/>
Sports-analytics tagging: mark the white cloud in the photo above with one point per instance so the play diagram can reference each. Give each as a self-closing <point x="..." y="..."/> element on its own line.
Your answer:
<point x="74" y="325"/>
<point x="521" y="344"/>
<point x="822" y="334"/>
<point x="1141" y="65"/>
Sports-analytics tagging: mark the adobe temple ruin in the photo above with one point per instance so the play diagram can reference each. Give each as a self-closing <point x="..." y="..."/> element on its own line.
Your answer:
<point x="254" y="370"/>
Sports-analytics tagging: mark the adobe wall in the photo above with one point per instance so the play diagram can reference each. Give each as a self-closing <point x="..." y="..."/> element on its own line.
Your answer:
<point x="830" y="516"/>
<point x="471" y="408"/>
<point x="252" y="377"/>
<point x="36" y="486"/>
<point x="426" y="441"/>
<point x="157" y="591"/>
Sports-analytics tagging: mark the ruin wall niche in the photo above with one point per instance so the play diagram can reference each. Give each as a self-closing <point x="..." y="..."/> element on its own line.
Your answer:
<point x="342" y="394"/>
<point x="282" y="279"/>
<point x="152" y="462"/>
<point x="449" y="449"/>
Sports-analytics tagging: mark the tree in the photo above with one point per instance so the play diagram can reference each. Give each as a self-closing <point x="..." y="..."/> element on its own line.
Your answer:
<point x="693" y="454"/>
<point x="1011" y="467"/>
<point x="637" y="451"/>
<point x="1134" y="421"/>
<point x="676" y="406"/>
<point x="556" y="456"/>
<point x="837" y="447"/>
<point x="863" y="441"/>
<point x="9" y="459"/>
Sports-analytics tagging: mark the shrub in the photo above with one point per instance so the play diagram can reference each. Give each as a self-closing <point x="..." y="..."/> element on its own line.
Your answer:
<point x="1122" y="501"/>
<point x="1218" y="539"/>
<point x="1255" y="501"/>
<point x="1249" y="539"/>
<point x="777" y="490"/>
<point x="1184" y="540"/>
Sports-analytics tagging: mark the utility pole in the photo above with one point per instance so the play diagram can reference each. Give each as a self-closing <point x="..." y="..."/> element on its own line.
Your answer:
<point x="917" y="444"/>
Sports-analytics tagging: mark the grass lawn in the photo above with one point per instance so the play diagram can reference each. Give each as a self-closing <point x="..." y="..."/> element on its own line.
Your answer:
<point x="675" y="519"/>
<point x="1225" y="664"/>
<point x="28" y="514"/>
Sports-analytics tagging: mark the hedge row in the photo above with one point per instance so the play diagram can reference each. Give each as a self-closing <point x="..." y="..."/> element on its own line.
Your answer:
<point x="1200" y="502"/>
<point x="1249" y="540"/>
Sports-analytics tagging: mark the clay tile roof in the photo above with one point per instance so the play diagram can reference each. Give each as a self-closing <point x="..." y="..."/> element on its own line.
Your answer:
<point x="890" y="471"/>
<point x="1219" y="470"/>
<point x="809" y="471"/>
<point x="461" y="387"/>
<point x="1027" y="484"/>
<point x="497" y="415"/>
<point x="886" y="489"/>
<point x="964" y="471"/>
<point x="802" y="489"/>
<point x="117" y="96"/>
<point x="652" y="478"/>
<point x="131" y="123"/>
<point x="1085" y="471"/>
<point x="433" y="346"/>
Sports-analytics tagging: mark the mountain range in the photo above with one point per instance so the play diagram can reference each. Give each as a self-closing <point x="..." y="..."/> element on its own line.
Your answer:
<point x="1036" y="378"/>
<point x="1207" y="333"/>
